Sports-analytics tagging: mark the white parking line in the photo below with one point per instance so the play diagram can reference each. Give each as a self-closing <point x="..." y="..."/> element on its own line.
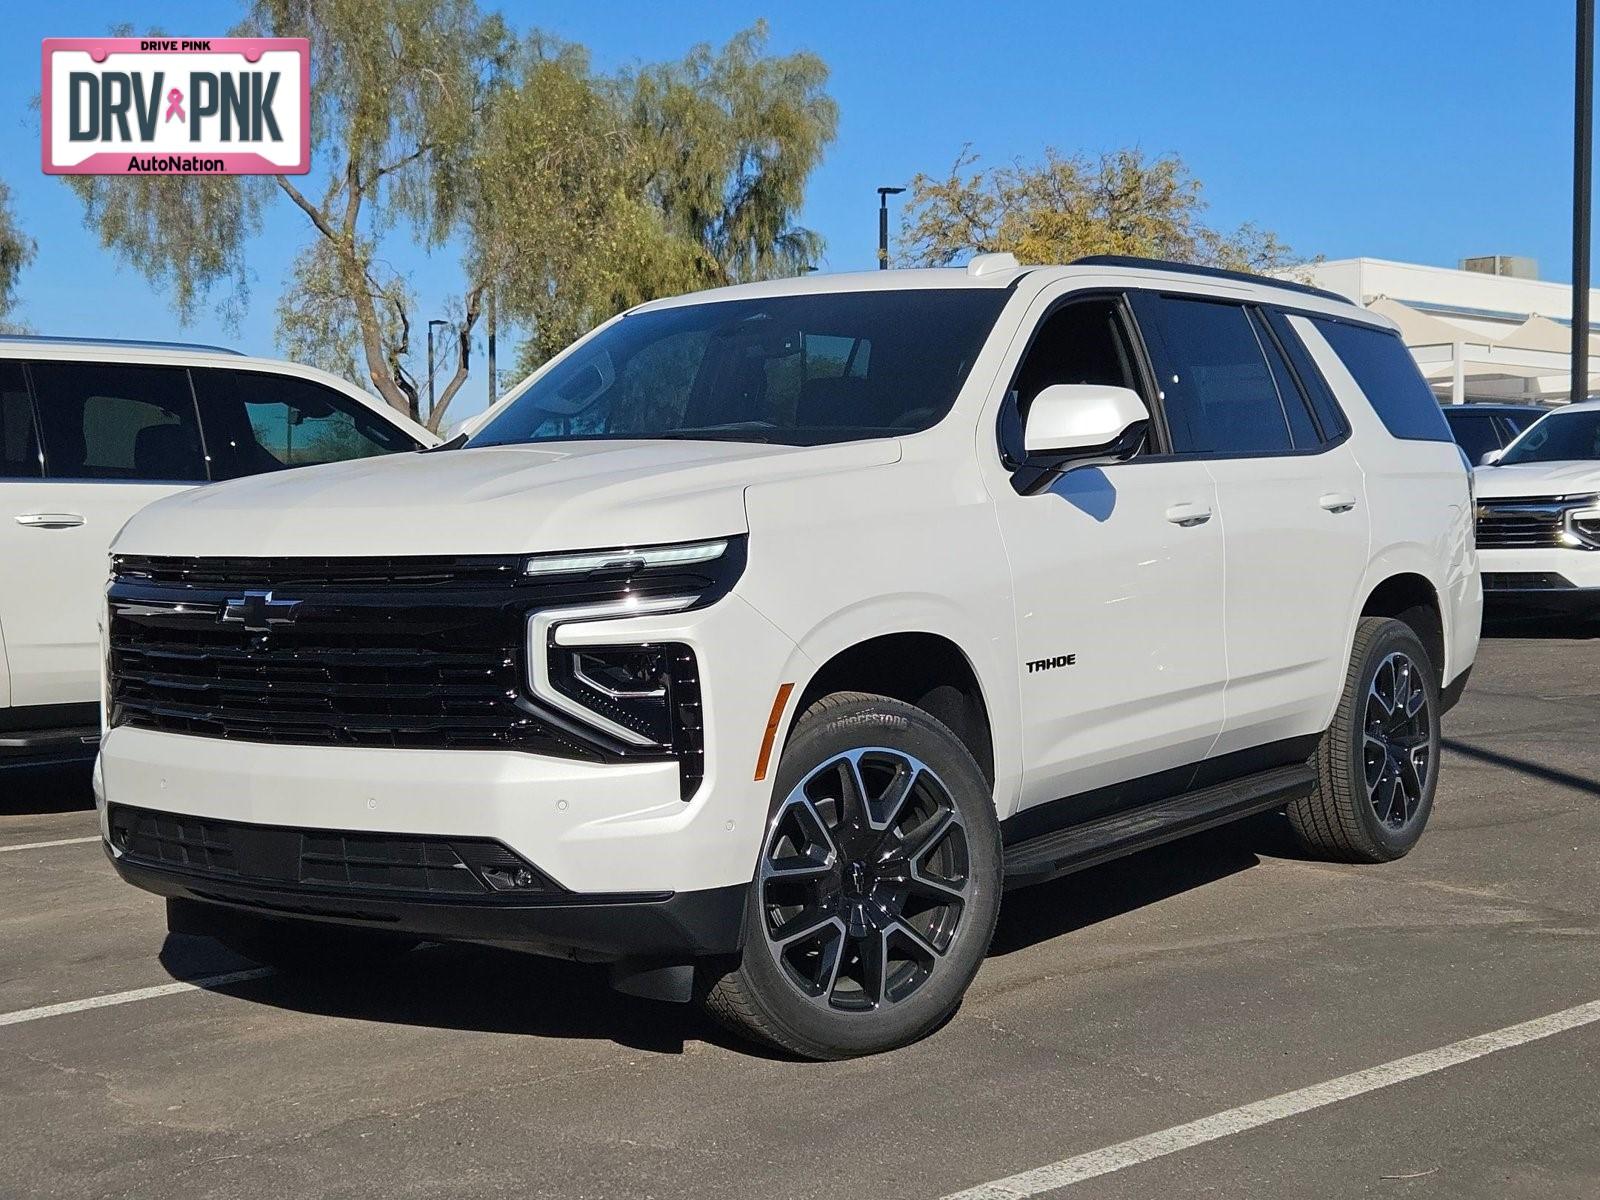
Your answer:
<point x="46" y="845"/>
<point x="1109" y="1159"/>
<point x="150" y="993"/>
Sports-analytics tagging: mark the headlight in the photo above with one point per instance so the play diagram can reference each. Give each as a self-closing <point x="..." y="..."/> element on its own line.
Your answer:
<point x="643" y="558"/>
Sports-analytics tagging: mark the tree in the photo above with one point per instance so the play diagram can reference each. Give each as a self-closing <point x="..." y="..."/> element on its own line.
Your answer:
<point x="566" y="194"/>
<point x="600" y="192"/>
<point x="1073" y="205"/>
<point x="16" y="252"/>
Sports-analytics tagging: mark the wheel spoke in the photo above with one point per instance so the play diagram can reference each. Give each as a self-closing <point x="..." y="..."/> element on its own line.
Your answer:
<point x="1375" y="754"/>
<point x="893" y="799"/>
<point x="918" y="840"/>
<point x="915" y="938"/>
<point x="801" y="845"/>
<point x="1383" y="796"/>
<point x="873" y="949"/>
<point x="806" y="923"/>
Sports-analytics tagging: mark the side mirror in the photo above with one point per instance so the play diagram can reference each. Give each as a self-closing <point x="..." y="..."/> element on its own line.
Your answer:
<point x="1491" y="458"/>
<point x="1084" y="419"/>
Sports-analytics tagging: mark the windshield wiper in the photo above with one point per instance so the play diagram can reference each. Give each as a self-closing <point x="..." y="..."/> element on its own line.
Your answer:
<point x="709" y="435"/>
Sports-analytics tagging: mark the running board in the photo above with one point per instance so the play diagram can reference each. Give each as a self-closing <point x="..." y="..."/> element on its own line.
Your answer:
<point x="1063" y="851"/>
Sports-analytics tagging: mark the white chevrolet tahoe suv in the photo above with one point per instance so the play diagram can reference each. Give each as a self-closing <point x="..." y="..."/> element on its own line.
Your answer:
<point x="760" y="640"/>
<point x="1539" y="514"/>
<point x="90" y="432"/>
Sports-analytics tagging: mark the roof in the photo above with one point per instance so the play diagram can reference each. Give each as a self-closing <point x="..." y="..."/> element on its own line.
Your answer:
<point x="999" y="271"/>
<point x="1480" y="406"/>
<point x="35" y="339"/>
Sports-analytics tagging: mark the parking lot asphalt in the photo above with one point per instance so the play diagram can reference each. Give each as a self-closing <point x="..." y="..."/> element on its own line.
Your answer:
<point x="1122" y="1002"/>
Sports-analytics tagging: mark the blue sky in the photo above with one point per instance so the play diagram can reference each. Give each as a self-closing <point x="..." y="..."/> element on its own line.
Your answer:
<point x="1424" y="130"/>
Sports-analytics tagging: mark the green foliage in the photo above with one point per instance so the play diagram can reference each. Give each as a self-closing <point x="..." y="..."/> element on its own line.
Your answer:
<point x="16" y="252"/>
<point x="600" y="192"/>
<point x="1072" y="205"/>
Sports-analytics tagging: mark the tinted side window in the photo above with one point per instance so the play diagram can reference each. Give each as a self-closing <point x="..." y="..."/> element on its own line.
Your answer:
<point x="257" y="422"/>
<point x="1388" y="377"/>
<point x="19" y="440"/>
<point x="112" y="421"/>
<point x="1475" y="433"/>
<point x="1217" y="390"/>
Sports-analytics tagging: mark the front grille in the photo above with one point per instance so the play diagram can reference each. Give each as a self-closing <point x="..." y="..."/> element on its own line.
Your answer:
<point x="1520" y="524"/>
<point x="383" y="652"/>
<point x="324" y="860"/>
<point x="1524" y="581"/>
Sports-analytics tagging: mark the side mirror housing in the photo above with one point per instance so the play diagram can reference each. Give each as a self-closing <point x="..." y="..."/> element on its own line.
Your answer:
<point x="1078" y="420"/>
<point x="1491" y="458"/>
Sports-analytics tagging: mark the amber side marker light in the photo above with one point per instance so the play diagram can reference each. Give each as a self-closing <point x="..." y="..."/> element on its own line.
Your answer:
<point x="778" y="705"/>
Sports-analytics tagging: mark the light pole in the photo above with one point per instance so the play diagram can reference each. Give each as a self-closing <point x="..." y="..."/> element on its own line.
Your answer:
<point x="883" y="224"/>
<point x="1582" y="180"/>
<point x="431" y="324"/>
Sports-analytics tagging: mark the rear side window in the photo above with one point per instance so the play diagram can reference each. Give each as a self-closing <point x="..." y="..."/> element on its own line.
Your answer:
<point x="113" y="421"/>
<point x="257" y="422"/>
<point x="1217" y="389"/>
<point x="19" y="440"/>
<point x="1388" y="377"/>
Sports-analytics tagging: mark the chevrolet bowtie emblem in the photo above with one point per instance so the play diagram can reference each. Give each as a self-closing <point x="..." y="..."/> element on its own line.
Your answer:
<point x="258" y="611"/>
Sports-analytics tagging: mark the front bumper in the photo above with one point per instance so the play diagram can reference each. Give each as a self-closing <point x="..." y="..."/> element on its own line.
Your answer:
<point x="1553" y="579"/>
<point x="604" y="928"/>
<point x="591" y="827"/>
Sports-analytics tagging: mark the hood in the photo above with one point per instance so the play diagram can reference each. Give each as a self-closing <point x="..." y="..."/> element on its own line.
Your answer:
<point x="492" y="500"/>
<point x="1538" y="479"/>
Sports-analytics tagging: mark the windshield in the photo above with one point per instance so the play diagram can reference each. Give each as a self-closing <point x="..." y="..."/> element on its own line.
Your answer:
<point x="801" y="370"/>
<point x="1559" y="437"/>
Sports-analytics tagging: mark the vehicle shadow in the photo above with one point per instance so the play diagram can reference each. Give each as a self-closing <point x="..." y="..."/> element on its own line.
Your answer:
<point x="479" y="989"/>
<point x="486" y="989"/>
<point x="46" y="787"/>
<point x="1053" y="910"/>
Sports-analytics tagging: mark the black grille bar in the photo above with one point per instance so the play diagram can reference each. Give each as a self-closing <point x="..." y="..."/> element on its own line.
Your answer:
<point x="401" y="865"/>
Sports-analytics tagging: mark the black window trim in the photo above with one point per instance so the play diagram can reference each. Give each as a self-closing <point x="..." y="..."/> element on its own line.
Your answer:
<point x="1026" y="480"/>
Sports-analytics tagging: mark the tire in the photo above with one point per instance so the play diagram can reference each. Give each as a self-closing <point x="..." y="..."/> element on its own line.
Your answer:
<point x="1377" y="766"/>
<point x="877" y="888"/>
<point x="291" y="947"/>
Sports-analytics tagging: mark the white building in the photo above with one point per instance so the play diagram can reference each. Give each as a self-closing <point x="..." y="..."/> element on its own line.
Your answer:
<point x="1488" y="331"/>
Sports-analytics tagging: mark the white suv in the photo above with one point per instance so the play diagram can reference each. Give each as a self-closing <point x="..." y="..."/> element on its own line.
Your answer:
<point x="763" y="637"/>
<point x="1539" y="514"/>
<point x="90" y="432"/>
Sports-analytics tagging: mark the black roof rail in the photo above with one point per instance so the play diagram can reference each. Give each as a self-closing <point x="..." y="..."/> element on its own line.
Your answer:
<point x="44" y="339"/>
<point x="1162" y="264"/>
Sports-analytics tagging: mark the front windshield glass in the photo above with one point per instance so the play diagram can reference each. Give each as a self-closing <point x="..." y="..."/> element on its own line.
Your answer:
<point x="1559" y="437"/>
<point x="802" y="370"/>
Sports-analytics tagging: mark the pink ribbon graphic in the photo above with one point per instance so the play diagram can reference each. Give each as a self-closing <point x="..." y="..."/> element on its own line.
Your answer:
<point x="175" y="106"/>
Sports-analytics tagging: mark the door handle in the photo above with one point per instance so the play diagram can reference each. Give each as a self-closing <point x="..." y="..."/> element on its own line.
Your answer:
<point x="50" y="520"/>
<point x="1337" y="502"/>
<point x="1188" y="515"/>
